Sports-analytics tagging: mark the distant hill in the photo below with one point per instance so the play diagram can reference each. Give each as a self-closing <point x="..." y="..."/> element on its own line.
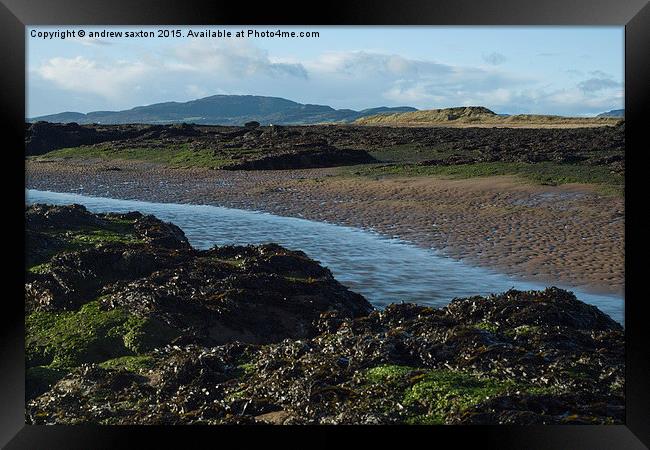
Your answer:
<point x="223" y="110"/>
<point x="613" y="113"/>
<point x="479" y="116"/>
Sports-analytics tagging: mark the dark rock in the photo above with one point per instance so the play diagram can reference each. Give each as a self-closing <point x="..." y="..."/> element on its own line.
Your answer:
<point x="552" y="307"/>
<point x="252" y="303"/>
<point x="256" y="294"/>
<point x="73" y="278"/>
<point x="290" y="146"/>
<point x="40" y="217"/>
<point x="322" y="156"/>
<point x="41" y="137"/>
<point x="263" y="334"/>
<point x="409" y="347"/>
<point x="160" y="234"/>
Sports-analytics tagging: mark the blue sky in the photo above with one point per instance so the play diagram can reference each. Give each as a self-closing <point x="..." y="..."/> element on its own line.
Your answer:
<point x="542" y="70"/>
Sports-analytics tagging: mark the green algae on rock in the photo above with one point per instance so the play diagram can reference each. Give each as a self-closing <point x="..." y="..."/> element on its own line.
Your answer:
<point x="141" y="328"/>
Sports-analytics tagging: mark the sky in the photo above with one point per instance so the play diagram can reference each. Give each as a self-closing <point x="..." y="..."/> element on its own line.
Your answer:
<point x="575" y="71"/>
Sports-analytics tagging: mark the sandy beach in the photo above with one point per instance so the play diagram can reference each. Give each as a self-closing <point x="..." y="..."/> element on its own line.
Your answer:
<point x="560" y="235"/>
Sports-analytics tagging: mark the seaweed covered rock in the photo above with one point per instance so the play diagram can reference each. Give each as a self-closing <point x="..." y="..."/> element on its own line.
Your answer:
<point x="72" y="253"/>
<point x="42" y="217"/>
<point x="159" y="234"/>
<point x="552" y="307"/>
<point x="117" y="285"/>
<point x="124" y="328"/>
<point x="261" y="294"/>
<point x="406" y="364"/>
<point x="313" y="157"/>
<point x="415" y="364"/>
<point x="69" y="279"/>
<point x="284" y="147"/>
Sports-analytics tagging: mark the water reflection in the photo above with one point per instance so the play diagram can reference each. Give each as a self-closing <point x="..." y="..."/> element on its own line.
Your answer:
<point x="383" y="270"/>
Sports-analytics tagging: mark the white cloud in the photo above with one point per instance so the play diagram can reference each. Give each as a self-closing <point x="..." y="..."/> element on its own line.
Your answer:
<point x="195" y="62"/>
<point x="575" y="99"/>
<point x="230" y="58"/>
<point x="420" y="83"/>
<point x="110" y="80"/>
<point x="371" y="65"/>
<point x="597" y="84"/>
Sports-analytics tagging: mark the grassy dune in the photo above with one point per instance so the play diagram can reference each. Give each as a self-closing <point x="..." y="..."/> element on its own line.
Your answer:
<point x="473" y="116"/>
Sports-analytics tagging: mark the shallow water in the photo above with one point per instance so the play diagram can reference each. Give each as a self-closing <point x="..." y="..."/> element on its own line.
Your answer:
<point x="383" y="270"/>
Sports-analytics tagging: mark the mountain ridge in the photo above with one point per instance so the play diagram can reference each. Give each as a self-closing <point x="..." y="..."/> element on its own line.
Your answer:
<point x="223" y="110"/>
<point x="613" y="113"/>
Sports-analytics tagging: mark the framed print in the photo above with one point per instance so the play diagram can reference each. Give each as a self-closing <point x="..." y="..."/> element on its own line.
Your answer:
<point x="382" y="219"/>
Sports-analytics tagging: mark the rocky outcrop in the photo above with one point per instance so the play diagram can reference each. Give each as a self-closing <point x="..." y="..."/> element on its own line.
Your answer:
<point x="124" y="328"/>
<point x="144" y="271"/>
<point x="406" y="364"/>
<point x="75" y="253"/>
<point x="146" y="265"/>
<point x="271" y="147"/>
<point x="42" y="137"/>
<point x="321" y="156"/>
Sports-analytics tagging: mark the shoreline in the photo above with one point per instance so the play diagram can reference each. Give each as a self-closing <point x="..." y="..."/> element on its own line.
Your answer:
<point x="567" y="235"/>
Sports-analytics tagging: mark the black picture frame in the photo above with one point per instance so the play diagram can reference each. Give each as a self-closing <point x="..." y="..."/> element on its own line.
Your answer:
<point x="15" y="15"/>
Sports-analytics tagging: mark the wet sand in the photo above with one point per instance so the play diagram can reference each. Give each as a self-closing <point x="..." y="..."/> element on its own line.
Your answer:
<point x="566" y="235"/>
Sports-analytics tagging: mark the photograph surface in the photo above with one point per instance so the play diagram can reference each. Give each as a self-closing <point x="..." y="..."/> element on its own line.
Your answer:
<point x="324" y="225"/>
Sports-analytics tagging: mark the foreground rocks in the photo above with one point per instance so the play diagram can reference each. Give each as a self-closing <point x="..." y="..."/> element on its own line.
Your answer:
<point x="127" y="324"/>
